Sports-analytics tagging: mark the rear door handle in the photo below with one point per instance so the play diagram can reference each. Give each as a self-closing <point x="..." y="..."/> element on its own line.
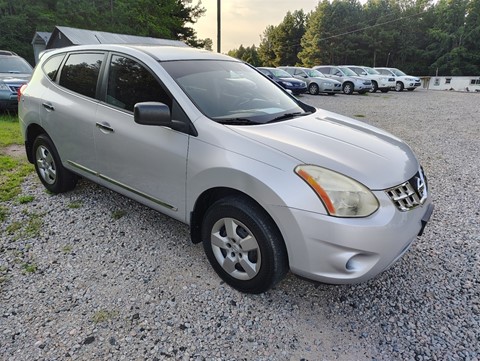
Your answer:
<point x="48" y="106"/>
<point x="105" y="127"/>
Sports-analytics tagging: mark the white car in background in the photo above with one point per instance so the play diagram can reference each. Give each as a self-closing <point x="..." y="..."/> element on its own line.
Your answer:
<point x="379" y="82"/>
<point x="317" y="82"/>
<point x="402" y="80"/>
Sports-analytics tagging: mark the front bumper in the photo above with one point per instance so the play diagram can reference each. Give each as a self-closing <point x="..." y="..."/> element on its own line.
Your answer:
<point x="350" y="250"/>
<point x="8" y="100"/>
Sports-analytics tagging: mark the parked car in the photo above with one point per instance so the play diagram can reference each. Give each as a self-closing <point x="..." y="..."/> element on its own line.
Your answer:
<point x="402" y="80"/>
<point x="14" y="72"/>
<point x="266" y="182"/>
<point x="351" y="82"/>
<point x="379" y="82"/>
<point x="285" y="80"/>
<point x="316" y="81"/>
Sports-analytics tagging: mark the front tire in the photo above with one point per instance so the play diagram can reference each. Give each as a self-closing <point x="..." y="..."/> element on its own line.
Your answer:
<point x="243" y="245"/>
<point x="374" y="87"/>
<point x="399" y="86"/>
<point x="348" y="88"/>
<point x="49" y="168"/>
<point x="313" y="89"/>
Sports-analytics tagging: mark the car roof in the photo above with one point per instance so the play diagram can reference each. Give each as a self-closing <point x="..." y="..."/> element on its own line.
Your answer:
<point x="158" y="52"/>
<point x="7" y="52"/>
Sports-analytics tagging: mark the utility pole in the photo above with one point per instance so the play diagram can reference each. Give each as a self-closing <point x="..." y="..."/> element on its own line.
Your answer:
<point x="219" y="32"/>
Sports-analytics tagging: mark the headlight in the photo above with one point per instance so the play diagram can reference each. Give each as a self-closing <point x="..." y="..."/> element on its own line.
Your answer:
<point x="3" y="86"/>
<point x="409" y="79"/>
<point x="327" y="84"/>
<point x="342" y="196"/>
<point x="287" y="83"/>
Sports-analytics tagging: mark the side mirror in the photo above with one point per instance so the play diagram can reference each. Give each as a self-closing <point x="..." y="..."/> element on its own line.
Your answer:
<point x="157" y="114"/>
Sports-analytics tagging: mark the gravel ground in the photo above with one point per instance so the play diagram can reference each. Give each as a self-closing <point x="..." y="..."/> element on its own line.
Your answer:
<point x="91" y="275"/>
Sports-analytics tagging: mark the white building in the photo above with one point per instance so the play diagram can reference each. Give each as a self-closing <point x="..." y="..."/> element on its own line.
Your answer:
<point x="456" y="83"/>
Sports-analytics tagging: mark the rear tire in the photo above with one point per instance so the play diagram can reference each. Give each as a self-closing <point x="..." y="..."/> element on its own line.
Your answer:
<point x="49" y="167"/>
<point x="243" y="245"/>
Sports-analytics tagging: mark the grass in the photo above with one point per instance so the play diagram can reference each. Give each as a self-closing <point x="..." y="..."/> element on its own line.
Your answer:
<point x="359" y="115"/>
<point x="29" y="267"/>
<point x="103" y="316"/>
<point x="9" y="131"/>
<point x="3" y="213"/>
<point x="13" y="170"/>
<point x="75" y="205"/>
<point x="118" y="214"/>
<point x="22" y="199"/>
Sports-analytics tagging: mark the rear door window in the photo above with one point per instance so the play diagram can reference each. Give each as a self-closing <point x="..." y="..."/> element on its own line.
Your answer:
<point x="80" y="73"/>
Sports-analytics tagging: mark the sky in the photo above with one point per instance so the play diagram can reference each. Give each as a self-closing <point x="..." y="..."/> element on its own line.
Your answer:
<point x="244" y="21"/>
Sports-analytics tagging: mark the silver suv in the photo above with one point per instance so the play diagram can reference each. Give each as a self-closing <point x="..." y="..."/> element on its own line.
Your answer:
<point x="351" y="82"/>
<point x="266" y="182"/>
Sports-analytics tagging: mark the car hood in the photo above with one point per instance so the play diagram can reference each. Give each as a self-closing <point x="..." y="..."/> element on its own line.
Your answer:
<point x="370" y="155"/>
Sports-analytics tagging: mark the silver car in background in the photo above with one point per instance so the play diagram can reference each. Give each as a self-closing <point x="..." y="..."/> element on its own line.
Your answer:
<point x="266" y="182"/>
<point x="351" y="82"/>
<point x="316" y="81"/>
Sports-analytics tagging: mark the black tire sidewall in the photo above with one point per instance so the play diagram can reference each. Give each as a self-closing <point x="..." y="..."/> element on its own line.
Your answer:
<point x="274" y="262"/>
<point x="348" y="86"/>
<point x="64" y="179"/>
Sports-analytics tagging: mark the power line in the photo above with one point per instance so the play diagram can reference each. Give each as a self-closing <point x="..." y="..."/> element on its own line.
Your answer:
<point x="375" y="25"/>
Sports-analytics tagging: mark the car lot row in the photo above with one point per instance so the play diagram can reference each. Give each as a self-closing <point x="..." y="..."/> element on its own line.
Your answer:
<point x="329" y="79"/>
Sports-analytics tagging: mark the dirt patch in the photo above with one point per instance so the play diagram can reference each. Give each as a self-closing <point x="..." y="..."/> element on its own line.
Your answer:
<point x="14" y="150"/>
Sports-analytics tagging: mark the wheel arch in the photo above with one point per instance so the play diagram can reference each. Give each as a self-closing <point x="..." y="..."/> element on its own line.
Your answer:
<point x="32" y="132"/>
<point x="210" y="196"/>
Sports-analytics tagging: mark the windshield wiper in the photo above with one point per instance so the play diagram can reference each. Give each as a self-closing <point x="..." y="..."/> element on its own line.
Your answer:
<point x="289" y="116"/>
<point x="236" y="121"/>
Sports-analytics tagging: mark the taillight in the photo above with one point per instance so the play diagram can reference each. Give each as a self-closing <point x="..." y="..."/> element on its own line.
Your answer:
<point x="21" y="90"/>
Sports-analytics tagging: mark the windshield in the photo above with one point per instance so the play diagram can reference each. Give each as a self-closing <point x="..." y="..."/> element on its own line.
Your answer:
<point x="372" y="71"/>
<point x="231" y="92"/>
<point x="348" y="71"/>
<point x="14" y="65"/>
<point x="279" y="73"/>
<point x="314" y="73"/>
<point x="398" y="72"/>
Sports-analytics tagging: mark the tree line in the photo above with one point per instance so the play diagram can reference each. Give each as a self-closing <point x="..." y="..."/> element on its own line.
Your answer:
<point x="168" y="19"/>
<point x="418" y="36"/>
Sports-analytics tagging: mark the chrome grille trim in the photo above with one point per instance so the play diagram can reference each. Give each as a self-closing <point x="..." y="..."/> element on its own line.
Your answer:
<point x="409" y="194"/>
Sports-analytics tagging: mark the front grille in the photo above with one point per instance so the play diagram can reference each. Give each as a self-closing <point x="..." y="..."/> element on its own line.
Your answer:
<point x="411" y="193"/>
<point x="14" y="88"/>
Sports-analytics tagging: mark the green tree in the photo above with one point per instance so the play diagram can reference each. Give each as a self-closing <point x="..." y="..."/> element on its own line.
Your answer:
<point x="170" y="19"/>
<point x="248" y="54"/>
<point x="281" y="44"/>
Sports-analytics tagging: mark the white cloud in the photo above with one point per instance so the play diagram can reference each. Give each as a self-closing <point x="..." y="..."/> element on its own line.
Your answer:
<point x="244" y="21"/>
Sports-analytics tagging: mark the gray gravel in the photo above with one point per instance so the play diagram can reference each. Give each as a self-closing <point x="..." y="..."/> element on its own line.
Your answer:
<point x="91" y="275"/>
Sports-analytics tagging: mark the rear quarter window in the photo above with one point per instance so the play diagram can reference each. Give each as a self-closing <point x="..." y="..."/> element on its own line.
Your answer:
<point x="50" y="67"/>
<point x="80" y="73"/>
